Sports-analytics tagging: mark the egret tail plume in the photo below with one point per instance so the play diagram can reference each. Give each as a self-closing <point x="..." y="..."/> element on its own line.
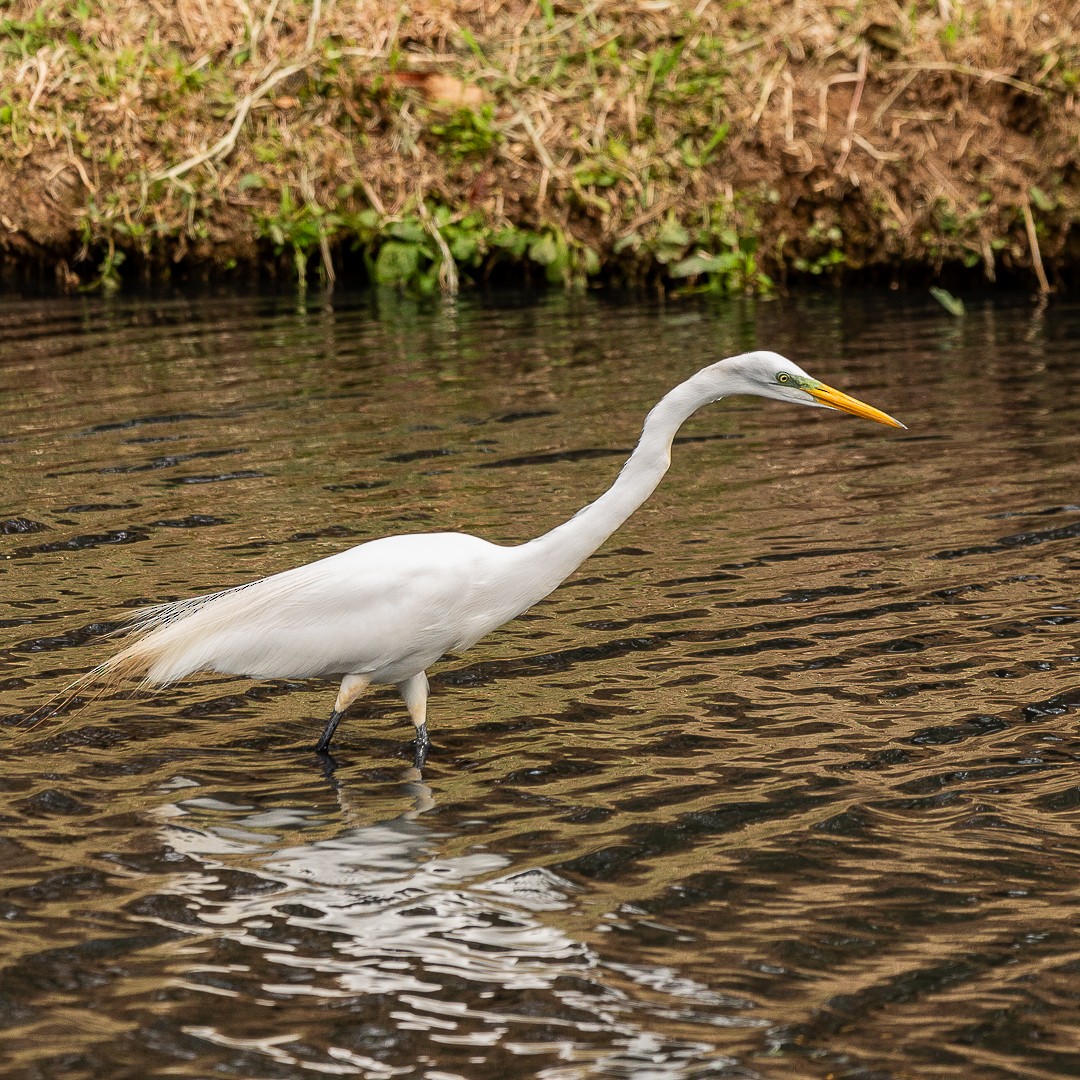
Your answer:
<point x="164" y="640"/>
<point x="98" y="679"/>
<point x="212" y="632"/>
<point x="149" y="642"/>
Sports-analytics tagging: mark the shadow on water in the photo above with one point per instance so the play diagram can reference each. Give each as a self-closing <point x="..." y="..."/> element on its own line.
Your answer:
<point x="783" y="782"/>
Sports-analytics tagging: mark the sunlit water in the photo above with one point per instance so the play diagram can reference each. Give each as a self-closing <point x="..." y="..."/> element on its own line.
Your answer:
<point x="783" y="783"/>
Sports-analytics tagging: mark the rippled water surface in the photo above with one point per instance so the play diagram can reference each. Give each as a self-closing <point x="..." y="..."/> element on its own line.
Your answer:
<point x="784" y="782"/>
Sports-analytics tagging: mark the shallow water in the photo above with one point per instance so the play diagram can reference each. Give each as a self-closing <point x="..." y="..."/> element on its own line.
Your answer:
<point x="782" y="783"/>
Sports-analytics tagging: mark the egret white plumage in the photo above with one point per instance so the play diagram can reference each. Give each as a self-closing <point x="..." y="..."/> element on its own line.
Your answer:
<point x="384" y="611"/>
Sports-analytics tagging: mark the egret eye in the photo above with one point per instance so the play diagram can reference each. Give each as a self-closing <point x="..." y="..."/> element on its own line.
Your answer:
<point x="783" y="377"/>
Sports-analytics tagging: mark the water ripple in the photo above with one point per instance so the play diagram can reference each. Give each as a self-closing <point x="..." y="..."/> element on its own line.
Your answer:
<point x="782" y="783"/>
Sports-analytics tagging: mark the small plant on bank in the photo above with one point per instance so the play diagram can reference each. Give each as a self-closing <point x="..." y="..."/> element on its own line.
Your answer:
<point x="419" y="251"/>
<point x="467" y="132"/>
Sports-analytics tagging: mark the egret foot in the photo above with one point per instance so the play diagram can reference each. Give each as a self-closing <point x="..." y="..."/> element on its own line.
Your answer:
<point x="414" y="691"/>
<point x="327" y="765"/>
<point x="348" y="692"/>
<point x="323" y="745"/>
<point x="423" y="743"/>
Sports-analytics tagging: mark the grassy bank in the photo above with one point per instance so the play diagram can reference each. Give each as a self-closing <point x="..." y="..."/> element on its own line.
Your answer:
<point x="723" y="145"/>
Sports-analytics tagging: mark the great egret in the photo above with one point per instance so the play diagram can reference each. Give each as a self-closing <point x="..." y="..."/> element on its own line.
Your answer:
<point x="383" y="612"/>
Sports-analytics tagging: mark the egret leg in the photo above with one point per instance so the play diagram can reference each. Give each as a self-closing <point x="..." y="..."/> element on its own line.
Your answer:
<point x="414" y="692"/>
<point x="351" y="688"/>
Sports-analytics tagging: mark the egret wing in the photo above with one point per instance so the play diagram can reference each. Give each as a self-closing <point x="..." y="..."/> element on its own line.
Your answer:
<point x="381" y="608"/>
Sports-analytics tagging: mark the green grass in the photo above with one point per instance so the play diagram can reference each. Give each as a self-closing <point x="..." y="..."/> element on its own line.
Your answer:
<point x="675" y="147"/>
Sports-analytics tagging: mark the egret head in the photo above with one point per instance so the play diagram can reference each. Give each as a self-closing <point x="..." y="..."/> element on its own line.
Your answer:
<point x="768" y="374"/>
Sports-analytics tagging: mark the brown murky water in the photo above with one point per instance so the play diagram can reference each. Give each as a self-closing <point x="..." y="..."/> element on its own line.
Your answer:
<point x="783" y="783"/>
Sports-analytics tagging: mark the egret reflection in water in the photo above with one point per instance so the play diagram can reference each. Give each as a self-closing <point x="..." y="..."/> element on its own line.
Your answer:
<point x="377" y="918"/>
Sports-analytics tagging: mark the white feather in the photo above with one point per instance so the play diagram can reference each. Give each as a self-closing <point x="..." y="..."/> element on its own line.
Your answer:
<point x="388" y="608"/>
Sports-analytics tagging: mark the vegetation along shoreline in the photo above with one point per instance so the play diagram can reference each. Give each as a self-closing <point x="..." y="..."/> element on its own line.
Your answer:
<point x="719" y="146"/>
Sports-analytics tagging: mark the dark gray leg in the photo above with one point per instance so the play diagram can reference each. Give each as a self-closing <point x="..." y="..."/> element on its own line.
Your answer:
<point x="323" y="745"/>
<point x="350" y="689"/>
<point x="422" y="745"/>
<point x="414" y="693"/>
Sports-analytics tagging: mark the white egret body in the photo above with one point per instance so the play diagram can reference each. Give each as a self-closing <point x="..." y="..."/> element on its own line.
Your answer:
<point x="383" y="612"/>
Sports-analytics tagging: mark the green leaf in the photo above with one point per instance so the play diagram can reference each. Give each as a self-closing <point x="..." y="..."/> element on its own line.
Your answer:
<point x="618" y="149"/>
<point x="465" y="248"/>
<point x="558" y="271"/>
<point x="1041" y="200"/>
<point x="595" y="174"/>
<point x="703" y="263"/>
<point x="427" y="284"/>
<point x="396" y="263"/>
<point x="411" y="230"/>
<point x="671" y="240"/>
<point x="470" y="39"/>
<point x="717" y="137"/>
<point x="952" y="304"/>
<point x="543" y="250"/>
<point x="514" y="241"/>
<point x="672" y="234"/>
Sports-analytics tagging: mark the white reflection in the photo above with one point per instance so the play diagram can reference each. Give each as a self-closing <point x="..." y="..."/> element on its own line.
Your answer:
<point x="384" y="907"/>
<point x="457" y="947"/>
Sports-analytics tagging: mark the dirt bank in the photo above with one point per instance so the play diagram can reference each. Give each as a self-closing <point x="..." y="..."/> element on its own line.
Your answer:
<point x="721" y="145"/>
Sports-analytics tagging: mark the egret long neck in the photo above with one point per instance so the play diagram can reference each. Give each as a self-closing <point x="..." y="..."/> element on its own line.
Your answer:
<point x="559" y="552"/>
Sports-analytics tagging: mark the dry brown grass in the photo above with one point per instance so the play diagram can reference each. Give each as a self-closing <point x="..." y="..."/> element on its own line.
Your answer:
<point x="789" y="136"/>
